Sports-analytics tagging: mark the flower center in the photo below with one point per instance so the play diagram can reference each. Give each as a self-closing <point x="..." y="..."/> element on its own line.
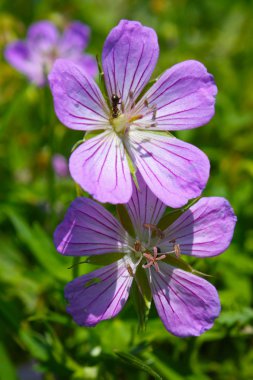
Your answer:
<point x="152" y="259"/>
<point x="120" y="123"/>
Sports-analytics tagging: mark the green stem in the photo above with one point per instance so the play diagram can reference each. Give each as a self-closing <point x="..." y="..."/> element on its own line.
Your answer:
<point x="48" y="137"/>
<point x="76" y="260"/>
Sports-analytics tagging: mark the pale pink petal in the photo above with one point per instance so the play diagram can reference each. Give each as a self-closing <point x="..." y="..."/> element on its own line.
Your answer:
<point x="186" y="304"/>
<point x="144" y="208"/>
<point x="100" y="167"/>
<point x="129" y="58"/>
<point x="89" y="229"/>
<point x="87" y="63"/>
<point x="18" y="55"/>
<point x="42" y="36"/>
<point x="78" y="101"/>
<point x="99" y="295"/>
<point x="175" y="171"/>
<point x="182" y="98"/>
<point x="74" y="39"/>
<point x="205" y="229"/>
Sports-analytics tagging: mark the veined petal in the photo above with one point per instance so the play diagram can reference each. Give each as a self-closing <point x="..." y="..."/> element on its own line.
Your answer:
<point x="175" y="171"/>
<point x="100" y="166"/>
<point x="129" y="58"/>
<point x="78" y="101"/>
<point x="182" y="98"/>
<point x="18" y="55"/>
<point x="88" y="64"/>
<point x="74" y="39"/>
<point x="42" y="35"/>
<point x="89" y="229"/>
<point x="186" y="304"/>
<point x="99" y="295"/>
<point x="205" y="229"/>
<point x="144" y="208"/>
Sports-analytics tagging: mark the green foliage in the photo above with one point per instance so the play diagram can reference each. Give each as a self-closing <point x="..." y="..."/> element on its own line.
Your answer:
<point x="36" y="331"/>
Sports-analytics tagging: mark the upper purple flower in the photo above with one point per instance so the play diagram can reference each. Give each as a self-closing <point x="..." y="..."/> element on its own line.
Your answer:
<point x="182" y="98"/>
<point x="35" y="56"/>
<point x="186" y="303"/>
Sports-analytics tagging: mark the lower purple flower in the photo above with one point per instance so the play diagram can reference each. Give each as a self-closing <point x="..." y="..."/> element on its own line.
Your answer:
<point x="187" y="304"/>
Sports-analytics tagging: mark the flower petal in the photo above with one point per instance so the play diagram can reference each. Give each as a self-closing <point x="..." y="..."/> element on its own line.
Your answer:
<point x="75" y="38"/>
<point x="100" y="166"/>
<point x="89" y="229"/>
<point x="99" y="295"/>
<point x="18" y="55"/>
<point x="205" y="229"/>
<point x="42" y="35"/>
<point x="186" y="304"/>
<point x="174" y="170"/>
<point x="144" y="208"/>
<point x="78" y="101"/>
<point x="88" y="64"/>
<point x="129" y="58"/>
<point x="182" y="98"/>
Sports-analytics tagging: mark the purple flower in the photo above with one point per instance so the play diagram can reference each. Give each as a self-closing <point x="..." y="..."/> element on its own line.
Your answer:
<point x="186" y="303"/>
<point x="35" y="56"/>
<point x="60" y="165"/>
<point x="135" y="128"/>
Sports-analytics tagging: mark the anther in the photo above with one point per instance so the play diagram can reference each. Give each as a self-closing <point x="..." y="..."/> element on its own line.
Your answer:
<point x="152" y="108"/>
<point x="137" y="246"/>
<point x="176" y="247"/>
<point x="130" y="270"/>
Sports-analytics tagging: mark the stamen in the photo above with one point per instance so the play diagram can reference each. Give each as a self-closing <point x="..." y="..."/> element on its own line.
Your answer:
<point x="154" y="228"/>
<point x="176" y="247"/>
<point x="134" y="118"/>
<point x="130" y="270"/>
<point x="153" y="109"/>
<point x="131" y="97"/>
<point x="137" y="246"/>
<point x="152" y="259"/>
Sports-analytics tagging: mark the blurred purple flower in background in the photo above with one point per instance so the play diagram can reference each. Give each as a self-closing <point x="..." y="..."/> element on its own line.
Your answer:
<point x="135" y="130"/>
<point x="186" y="303"/>
<point x="60" y="165"/>
<point x="35" y="56"/>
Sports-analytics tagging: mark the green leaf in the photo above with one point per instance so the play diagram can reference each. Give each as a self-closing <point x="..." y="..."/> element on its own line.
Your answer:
<point x="106" y="259"/>
<point x="173" y="215"/>
<point x="102" y="80"/>
<point x="79" y="142"/>
<point x="165" y="370"/>
<point x="137" y="363"/>
<point x="95" y="280"/>
<point x="125" y="219"/>
<point x="141" y="297"/>
<point x="177" y="262"/>
<point x="132" y="169"/>
<point x="160" y="133"/>
<point x="7" y="369"/>
<point x="89" y="135"/>
<point x="40" y="245"/>
<point x="169" y="218"/>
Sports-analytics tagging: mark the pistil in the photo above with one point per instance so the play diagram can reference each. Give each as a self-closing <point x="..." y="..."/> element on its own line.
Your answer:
<point x="152" y="259"/>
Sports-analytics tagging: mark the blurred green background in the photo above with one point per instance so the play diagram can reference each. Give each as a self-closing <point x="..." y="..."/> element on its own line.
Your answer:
<point x="38" y="339"/>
